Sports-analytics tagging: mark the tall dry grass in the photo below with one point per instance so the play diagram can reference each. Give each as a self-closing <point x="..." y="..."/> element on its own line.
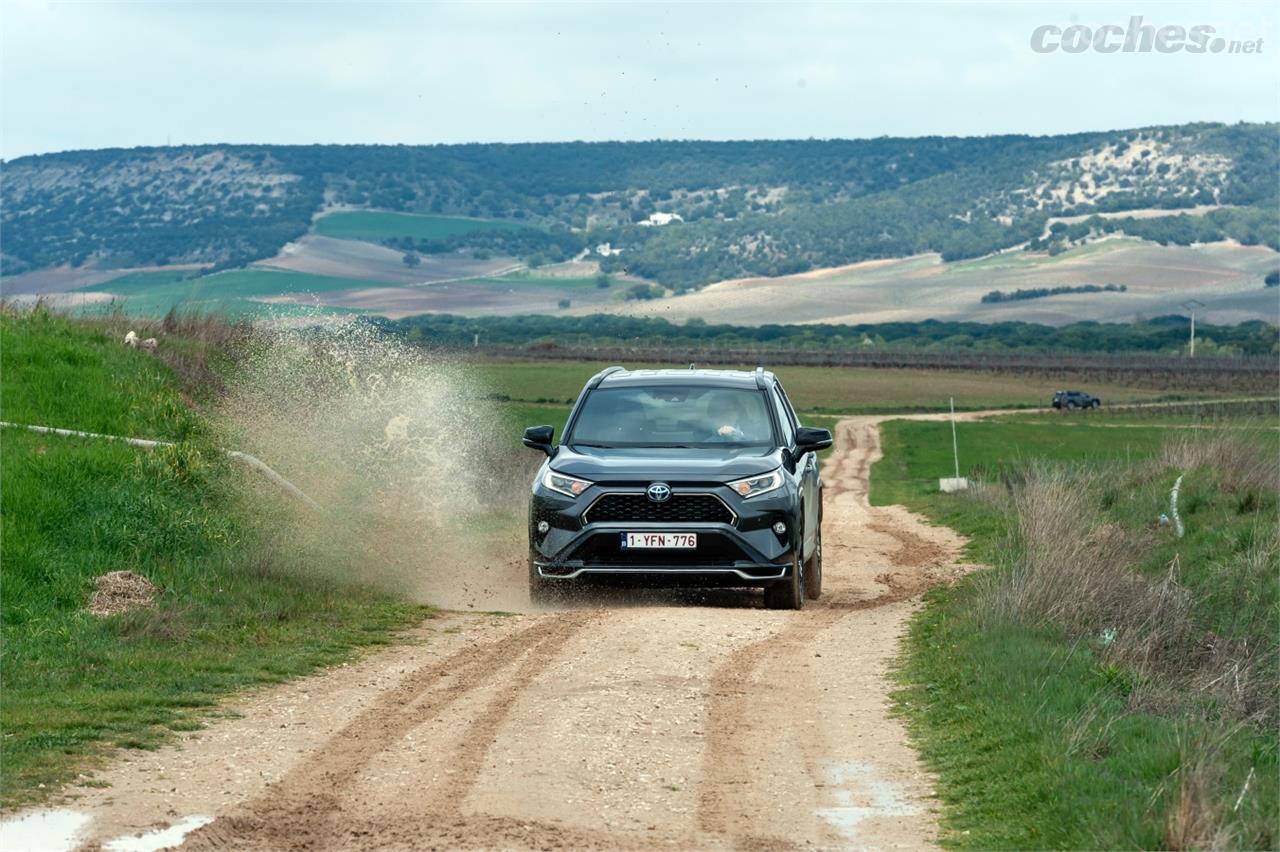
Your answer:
<point x="1074" y="572"/>
<point x="1069" y="568"/>
<point x="1241" y="459"/>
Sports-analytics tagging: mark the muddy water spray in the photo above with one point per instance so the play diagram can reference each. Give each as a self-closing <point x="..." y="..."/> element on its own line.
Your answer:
<point x="410" y="462"/>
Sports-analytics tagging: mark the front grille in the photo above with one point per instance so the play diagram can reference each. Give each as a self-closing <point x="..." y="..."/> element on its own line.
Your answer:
<point x="680" y="509"/>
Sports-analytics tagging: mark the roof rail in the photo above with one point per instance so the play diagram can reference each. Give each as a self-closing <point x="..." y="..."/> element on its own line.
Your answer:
<point x="760" y="378"/>
<point x="602" y="375"/>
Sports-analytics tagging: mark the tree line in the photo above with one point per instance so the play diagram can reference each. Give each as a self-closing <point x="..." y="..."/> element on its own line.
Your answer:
<point x="997" y="296"/>
<point x="1166" y="334"/>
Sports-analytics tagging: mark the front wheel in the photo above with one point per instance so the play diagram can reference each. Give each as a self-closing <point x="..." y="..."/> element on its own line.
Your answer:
<point x="813" y="569"/>
<point x="1096" y="403"/>
<point x="788" y="593"/>
<point x="1071" y="406"/>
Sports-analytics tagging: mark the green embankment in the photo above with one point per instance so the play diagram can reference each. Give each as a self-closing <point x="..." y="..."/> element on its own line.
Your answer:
<point x="1104" y="715"/>
<point x="234" y="609"/>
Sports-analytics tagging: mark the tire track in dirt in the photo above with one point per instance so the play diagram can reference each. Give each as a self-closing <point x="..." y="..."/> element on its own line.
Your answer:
<point x="305" y="809"/>
<point x="743" y="687"/>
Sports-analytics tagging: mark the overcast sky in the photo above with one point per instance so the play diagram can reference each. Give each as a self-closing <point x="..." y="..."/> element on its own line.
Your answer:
<point x="100" y="74"/>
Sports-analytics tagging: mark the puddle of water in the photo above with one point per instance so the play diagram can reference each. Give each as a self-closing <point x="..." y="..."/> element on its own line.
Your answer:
<point x="161" y="838"/>
<point x="860" y="793"/>
<point x="43" y="831"/>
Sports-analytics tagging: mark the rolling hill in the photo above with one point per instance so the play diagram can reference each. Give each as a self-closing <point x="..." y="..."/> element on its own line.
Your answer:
<point x="678" y="214"/>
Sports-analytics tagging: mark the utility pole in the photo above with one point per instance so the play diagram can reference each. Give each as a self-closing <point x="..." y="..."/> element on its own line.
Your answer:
<point x="1191" y="306"/>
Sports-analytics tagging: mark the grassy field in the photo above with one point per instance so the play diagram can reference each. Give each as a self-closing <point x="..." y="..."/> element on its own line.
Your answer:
<point x="531" y="278"/>
<point x="237" y="294"/>
<point x="1260" y="414"/>
<point x="1023" y="260"/>
<point x="1226" y="277"/>
<point x="818" y="389"/>
<point x="231" y="293"/>
<point x="234" y="609"/>
<point x="1073" y="695"/>
<point x="376" y="226"/>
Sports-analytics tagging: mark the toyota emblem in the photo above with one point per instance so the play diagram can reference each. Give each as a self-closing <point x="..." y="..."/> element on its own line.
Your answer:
<point x="659" y="492"/>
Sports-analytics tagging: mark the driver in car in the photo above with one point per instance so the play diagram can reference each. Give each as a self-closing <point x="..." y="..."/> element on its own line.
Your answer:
<point x="725" y="415"/>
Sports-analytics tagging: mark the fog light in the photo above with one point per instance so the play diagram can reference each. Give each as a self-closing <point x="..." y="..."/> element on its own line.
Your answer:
<point x="543" y="526"/>
<point x="780" y="528"/>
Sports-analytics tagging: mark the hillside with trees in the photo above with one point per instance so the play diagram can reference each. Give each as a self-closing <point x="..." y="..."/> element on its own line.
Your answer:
<point x="731" y="208"/>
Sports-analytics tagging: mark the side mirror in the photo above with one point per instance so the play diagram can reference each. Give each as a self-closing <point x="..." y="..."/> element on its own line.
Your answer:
<point x="809" y="439"/>
<point x="539" y="437"/>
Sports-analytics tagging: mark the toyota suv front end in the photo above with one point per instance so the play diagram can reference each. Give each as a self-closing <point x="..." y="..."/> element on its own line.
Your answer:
<point x="697" y="477"/>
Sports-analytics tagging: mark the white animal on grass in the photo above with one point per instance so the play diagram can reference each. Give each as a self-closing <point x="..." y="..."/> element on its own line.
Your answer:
<point x="131" y="339"/>
<point x="150" y="344"/>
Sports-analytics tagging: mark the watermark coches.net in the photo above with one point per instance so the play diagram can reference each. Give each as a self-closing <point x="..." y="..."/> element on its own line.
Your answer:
<point x="1137" y="37"/>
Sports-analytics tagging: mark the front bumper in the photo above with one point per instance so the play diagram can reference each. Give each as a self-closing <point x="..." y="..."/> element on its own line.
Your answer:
<point x="744" y="552"/>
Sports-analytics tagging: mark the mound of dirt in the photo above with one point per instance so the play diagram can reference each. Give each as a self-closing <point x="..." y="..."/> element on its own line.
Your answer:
<point x="121" y="591"/>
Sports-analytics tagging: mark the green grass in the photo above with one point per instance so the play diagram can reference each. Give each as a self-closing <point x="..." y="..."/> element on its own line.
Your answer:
<point x="1022" y="259"/>
<point x="820" y="390"/>
<point x="1251" y="415"/>
<point x="234" y="610"/>
<point x="376" y="226"/>
<point x="231" y="293"/>
<point x="1031" y="731"/>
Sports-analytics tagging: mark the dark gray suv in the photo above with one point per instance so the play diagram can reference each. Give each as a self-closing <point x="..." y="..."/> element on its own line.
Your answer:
<point x="1071" y="400"/>
<point x="693" y="477"/>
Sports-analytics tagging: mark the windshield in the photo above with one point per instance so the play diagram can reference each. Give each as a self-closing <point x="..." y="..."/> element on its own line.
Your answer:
<point x="673" y="416"/>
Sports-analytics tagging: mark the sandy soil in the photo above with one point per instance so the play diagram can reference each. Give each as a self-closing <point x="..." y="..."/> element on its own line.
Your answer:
<point x="1226" y="278"/>
<point x="357" y="259"/>
<point x="473" y="298"/>
<point x="658" y="720"/>
<point x="60" y="279"/>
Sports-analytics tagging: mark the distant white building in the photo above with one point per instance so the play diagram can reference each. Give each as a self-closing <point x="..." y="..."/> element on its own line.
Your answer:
<point x="607" y="250"/>
<point x="660" y="218"/>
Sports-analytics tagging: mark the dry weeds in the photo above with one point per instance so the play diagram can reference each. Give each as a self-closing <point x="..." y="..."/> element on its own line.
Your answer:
<point x="121" y="591"/>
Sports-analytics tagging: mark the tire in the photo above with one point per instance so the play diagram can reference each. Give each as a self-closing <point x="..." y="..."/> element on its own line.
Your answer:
<point x="1071" y="406"/>
<point x="813" y="568"/>
<point x="541" y="591"/>
<point x="1097" y="403"/>
<point x="788" y="593"/>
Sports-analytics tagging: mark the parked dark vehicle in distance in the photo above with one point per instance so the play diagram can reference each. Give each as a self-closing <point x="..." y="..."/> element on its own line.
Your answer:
<point x="1071" y="400"/>
<point x="679" y="477"/>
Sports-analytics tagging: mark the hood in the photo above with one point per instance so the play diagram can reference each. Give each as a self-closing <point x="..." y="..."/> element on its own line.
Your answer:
<point x="645" y="464"/>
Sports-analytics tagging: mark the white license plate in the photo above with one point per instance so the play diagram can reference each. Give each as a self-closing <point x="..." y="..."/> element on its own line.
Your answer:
<point x="659" y="541"/>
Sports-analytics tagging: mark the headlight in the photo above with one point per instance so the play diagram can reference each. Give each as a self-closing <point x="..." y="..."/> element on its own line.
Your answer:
<point x="566" y="485"/>
<point x="754" y="486"/>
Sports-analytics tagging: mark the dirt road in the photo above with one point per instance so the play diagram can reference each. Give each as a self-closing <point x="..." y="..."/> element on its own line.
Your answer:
<point x="673" y="720"/>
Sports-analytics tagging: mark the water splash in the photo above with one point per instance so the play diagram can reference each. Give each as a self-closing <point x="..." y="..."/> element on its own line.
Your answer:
<point x="411" y="463"/>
